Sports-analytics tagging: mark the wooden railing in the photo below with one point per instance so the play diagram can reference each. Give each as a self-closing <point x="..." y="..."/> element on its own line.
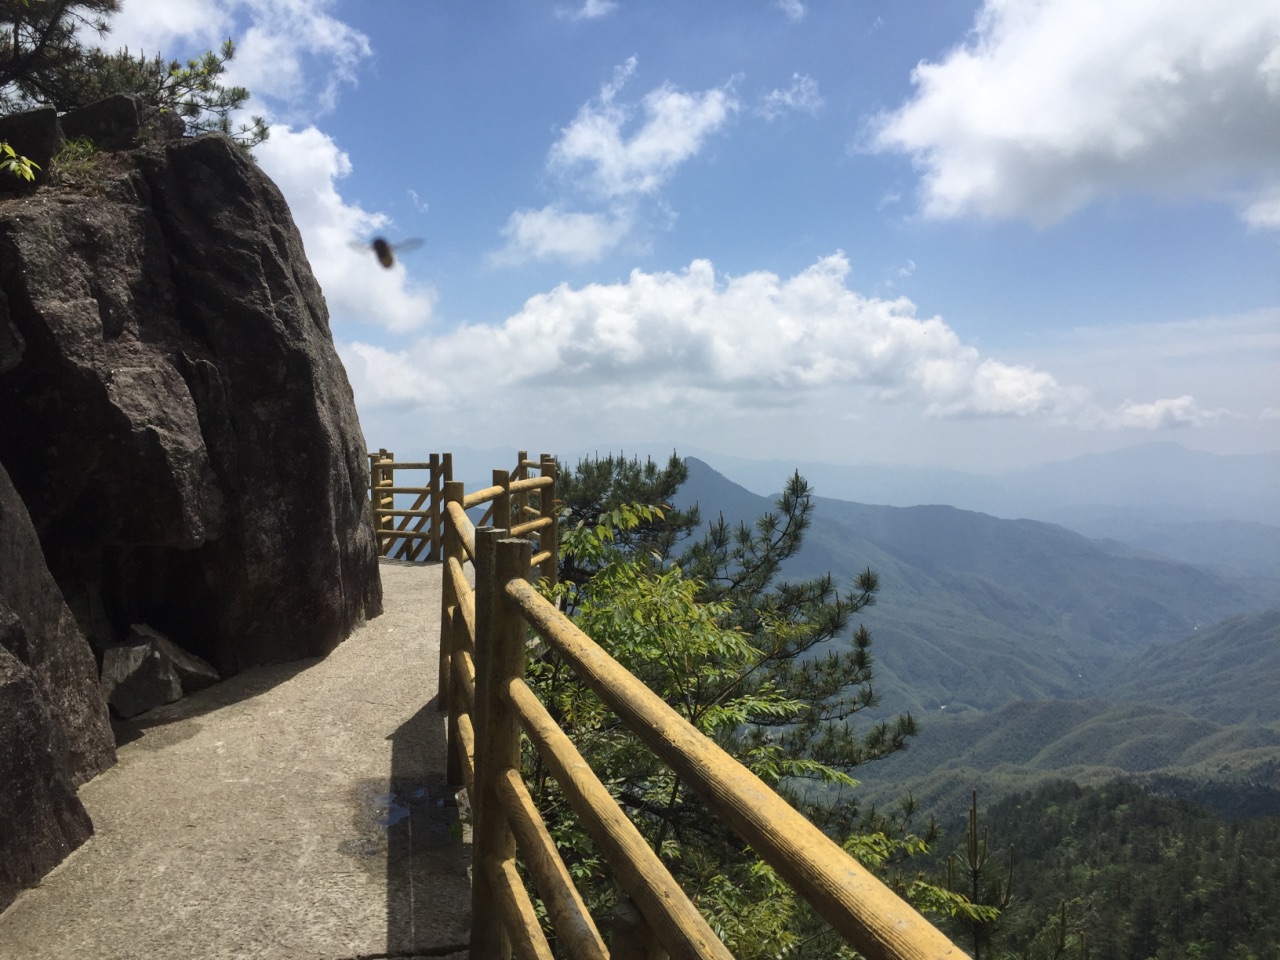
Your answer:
<point x="484" y="640"/>
<point x="412" y="533"/>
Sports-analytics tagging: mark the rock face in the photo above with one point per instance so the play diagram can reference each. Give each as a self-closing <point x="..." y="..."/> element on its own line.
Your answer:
<point x="148" y="670"/>
<point x="54" y="732"/>
<point x="177" y="420"/>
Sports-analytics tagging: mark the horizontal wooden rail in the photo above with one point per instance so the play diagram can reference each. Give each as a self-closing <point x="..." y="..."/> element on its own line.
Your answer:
<point x="406" y="534"/>
<point x="515" y="908"/>
<point x="481" y="496"/>
<point x="869" y="915"/>
<point x="646" y="879"/>
<point x="388" y="512"/>
<point x="462" y="524"/>
<point x="533" y="483"/>
<point x="401" y="465"/>
<point x="464" y="672"/>
<point x="569" y="916"/>
<point x="529" y="526"/>
<point x="467" y="738"/>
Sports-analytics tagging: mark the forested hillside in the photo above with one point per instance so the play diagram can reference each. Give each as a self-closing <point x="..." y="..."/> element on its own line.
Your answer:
<point x="1026" y="652"/>
<point x="1229" y="673"/>
<point x="1134" y="875"/>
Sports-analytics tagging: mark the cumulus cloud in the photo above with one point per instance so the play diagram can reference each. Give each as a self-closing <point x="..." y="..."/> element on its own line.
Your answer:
<point x="307" y="165"/>
<point x="555" y="234"/>
<point x="801" y="97"/>
<point x="598" y="152"/>
<point x="1160" y="414"/>
<point x="1050" y="104"/>
<point x="590" y="10"/>
<point x="665" y="340"/>
<point x="154" y="26"/>
<point x="293" y="55"/>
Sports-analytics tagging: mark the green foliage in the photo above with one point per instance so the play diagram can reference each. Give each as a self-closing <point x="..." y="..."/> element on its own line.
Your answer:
<point x="988" y="886"/>
<point x="596" y="489"/>
<point x="44" y="61"/>
<point x="74" y="161"/>
<point x="735" y="650"/>
<point x="792" y="625"/>
<point x="193" y="92"/>
<point x="1117" y="872"/>
<point x="18" y="165"/>
<point x="40" y="40"/>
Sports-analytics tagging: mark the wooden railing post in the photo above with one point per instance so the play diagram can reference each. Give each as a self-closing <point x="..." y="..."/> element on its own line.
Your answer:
<point x="433" y="505"/>
<point x="521" y="497"/>
<point x="449" y="600"/>
<point x="500" y="655"/>
<point x="378" y="474"/>
<point x="549" y="537"/>
<point x="502" y="502"/>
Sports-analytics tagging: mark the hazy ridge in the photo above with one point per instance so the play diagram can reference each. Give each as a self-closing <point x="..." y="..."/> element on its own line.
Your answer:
<point x="1029" y="651"/>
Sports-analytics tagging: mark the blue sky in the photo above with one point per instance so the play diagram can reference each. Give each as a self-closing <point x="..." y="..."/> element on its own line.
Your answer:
<point x="970" y="234"/>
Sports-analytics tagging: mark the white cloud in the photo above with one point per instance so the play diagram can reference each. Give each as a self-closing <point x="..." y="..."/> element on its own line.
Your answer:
<point x="1160" y="415"/>
<point x="1269" y="413"/>
<point x="306" y="165"/>
<point x="555" y="234"/>
<point x="590" y="10"/>
<point x="293" y="55"/>
<point x="794" y="9"/>
<point x="1050" y="104"/>
<point x="1263" y="209"/>
<point x="675" y="341"/>
<point x="801" y="97"/>
<point x="619" y="163"/>
<point x="155" y="26"/>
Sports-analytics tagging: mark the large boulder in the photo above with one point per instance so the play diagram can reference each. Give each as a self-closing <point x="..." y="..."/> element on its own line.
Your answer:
<point x="41" y="818"/>
<point x="39" y="632"/>
<point x="148" y="670"/>
<point x="178" y="421"/>
<point x="54" y="730"/>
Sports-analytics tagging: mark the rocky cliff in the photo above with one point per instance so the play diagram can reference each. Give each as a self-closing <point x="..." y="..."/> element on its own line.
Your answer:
<point x="174" y="416"/>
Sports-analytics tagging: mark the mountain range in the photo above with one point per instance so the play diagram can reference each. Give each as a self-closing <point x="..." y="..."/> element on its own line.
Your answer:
<point x="1028" y="650"/>
<point x="1111" y="615"/>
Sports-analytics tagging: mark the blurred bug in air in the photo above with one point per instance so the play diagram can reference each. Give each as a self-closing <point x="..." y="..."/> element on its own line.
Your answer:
<point x="385" y="251"/>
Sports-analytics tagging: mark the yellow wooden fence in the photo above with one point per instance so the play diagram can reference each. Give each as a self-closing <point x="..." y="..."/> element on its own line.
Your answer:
<point x="485" y="624"/>
<point x="412" y="533"/>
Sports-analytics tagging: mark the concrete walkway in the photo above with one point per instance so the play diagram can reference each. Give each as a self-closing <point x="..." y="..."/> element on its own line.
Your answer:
<point x="292" y="812"/>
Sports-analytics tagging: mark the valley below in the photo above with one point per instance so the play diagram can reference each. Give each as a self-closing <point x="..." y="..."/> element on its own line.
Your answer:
<point x="1029" y="652"/>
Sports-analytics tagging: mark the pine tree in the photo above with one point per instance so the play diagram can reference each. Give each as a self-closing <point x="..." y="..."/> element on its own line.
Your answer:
<point x="40" y="42"/>
<point x="44" y="61"/>
<point x="737" y="651"/>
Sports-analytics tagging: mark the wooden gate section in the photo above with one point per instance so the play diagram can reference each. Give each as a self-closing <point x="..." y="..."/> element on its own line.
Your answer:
<point x="413" y="533"/>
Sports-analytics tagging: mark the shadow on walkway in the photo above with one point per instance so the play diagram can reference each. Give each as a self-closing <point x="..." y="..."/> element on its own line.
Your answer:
<point x="251" y="682"/>
<point x="425" y="848"/>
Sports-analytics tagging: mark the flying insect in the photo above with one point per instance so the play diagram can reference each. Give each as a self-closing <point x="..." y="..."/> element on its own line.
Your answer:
<point x="385" y="251"/>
